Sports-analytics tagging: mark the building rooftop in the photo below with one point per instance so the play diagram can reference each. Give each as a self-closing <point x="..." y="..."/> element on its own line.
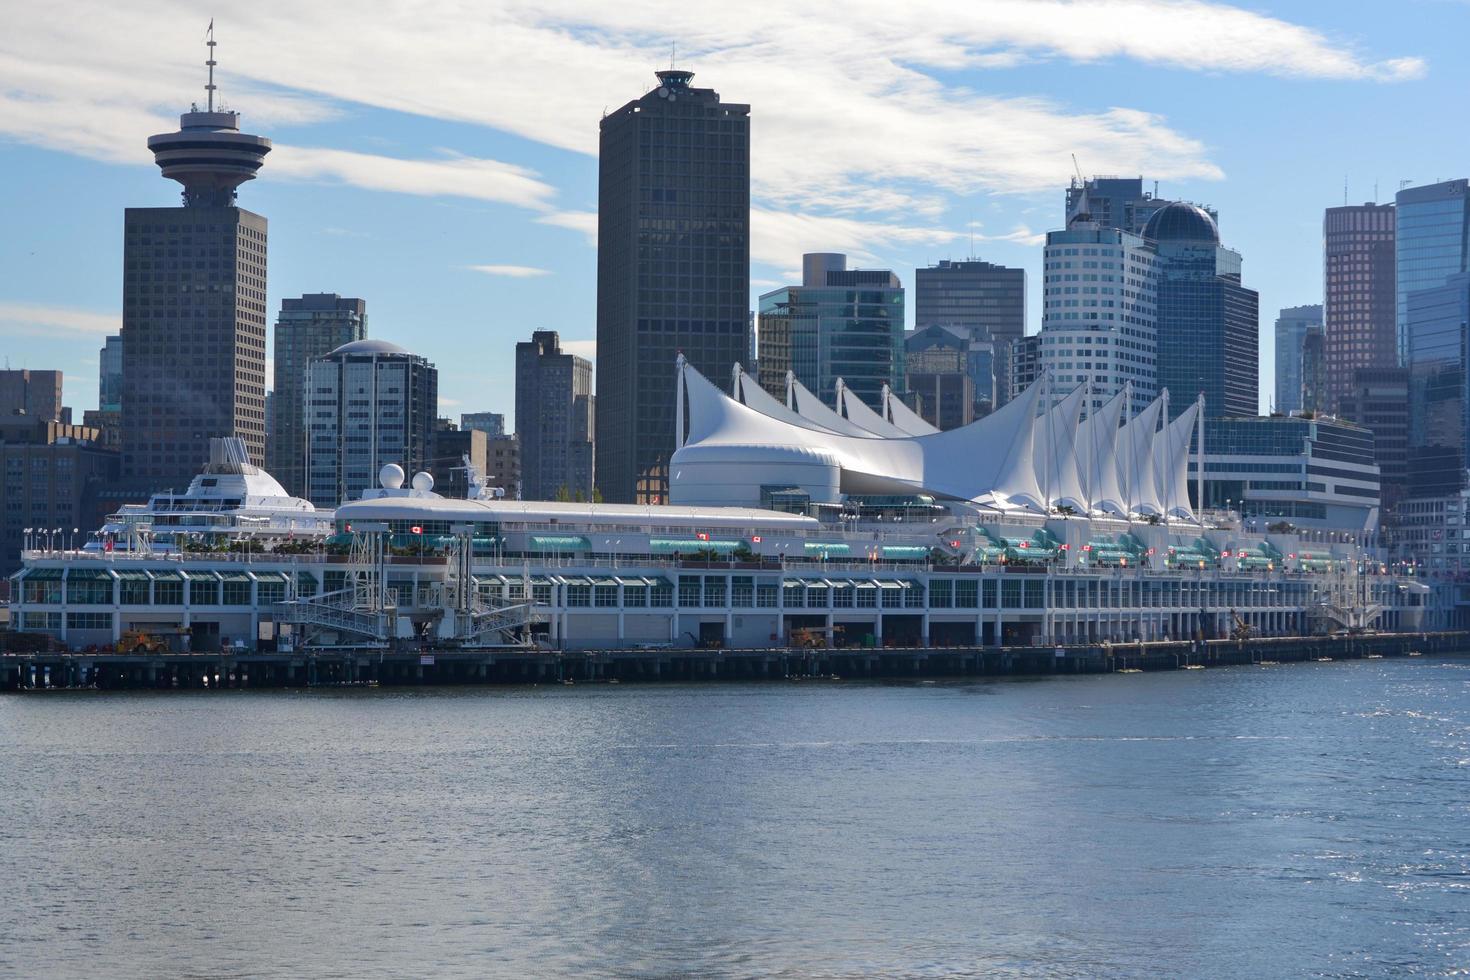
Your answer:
<point x="1181" y="222"/>
<point x="370" y="347"/>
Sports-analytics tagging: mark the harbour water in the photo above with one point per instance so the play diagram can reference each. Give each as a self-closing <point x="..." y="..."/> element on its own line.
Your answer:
<point x="1299" y="820"/>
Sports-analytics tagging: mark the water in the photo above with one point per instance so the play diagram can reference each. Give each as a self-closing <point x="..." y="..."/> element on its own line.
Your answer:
<point x="1305" y="820"/>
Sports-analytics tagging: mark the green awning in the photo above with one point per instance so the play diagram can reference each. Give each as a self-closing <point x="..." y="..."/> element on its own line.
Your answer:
<point x="830" y="548"/>
<point x="133" y="576"/>
<point x="270" y="576"/>
<point x="633" y="582"/>
<point x="890" y="584"/>
<point x="553" y="542"/>
<point x="167" y="575"/>
<point x="659" y="582"/>
<point x="576" y="580"/>
<point x="89" y="575"/>
<point x="235" y="576"/>
<point x="689" y="546"/>
<point x="605" y="581"/>
<point x="206" y="577"/>
<point x="905" y="551"/>
<point x="43" y="575"/>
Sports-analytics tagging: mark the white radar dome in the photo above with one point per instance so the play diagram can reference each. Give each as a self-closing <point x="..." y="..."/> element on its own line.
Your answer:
<point x="423" y="481"/>
<point x="390" y="477"/>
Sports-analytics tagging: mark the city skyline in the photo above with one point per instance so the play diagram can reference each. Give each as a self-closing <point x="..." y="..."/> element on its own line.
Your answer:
<point x="491" y="204"/>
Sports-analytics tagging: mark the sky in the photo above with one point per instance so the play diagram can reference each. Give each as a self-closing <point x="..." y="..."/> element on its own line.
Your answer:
<point x="439" y="158"/>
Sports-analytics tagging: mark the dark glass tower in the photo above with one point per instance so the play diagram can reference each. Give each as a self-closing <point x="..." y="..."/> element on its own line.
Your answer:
<point x="1209" y="324"/>
<point x="673" y="270"/>
<point x="306" y="328"/>
<point x="194" y="305"/>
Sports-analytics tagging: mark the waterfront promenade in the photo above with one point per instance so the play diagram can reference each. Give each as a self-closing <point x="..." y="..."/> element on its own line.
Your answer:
<point x="39" y="671"/>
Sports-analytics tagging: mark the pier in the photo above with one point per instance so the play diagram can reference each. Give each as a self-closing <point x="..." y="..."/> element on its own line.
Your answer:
<point x="45" y="671"/>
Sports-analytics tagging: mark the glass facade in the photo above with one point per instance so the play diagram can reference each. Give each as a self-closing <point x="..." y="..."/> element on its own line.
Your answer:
<point x="1291" y="329"/>
<point x="1431" y="245"/>
<point x="307" y="328"/>
<point x="1439" y="430"/>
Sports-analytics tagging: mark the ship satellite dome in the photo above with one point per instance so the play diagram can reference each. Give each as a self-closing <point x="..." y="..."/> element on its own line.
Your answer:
<point x="390" y="477"/>
<point x="423" y="481"/>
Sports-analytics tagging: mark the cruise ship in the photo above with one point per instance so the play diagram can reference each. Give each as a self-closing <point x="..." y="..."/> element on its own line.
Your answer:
<point x="789" y="524"/>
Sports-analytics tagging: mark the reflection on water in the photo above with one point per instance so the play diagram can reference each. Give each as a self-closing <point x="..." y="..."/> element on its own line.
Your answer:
<point x="1304" y="820"/>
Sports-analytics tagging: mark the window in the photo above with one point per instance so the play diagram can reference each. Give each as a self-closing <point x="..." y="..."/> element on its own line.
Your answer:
<point x="88" y="621"/>
<point x="579" y="595"/>
<point x="89" y="592"/>
<point x="606" y="596"/>
<point x="168" y="592"/>
<point x="237" y="592"/>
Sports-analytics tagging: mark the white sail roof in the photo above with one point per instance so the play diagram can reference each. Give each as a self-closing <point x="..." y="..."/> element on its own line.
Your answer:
<point x="904" y="418"/>
<point x="749" y="392"/>
<point x="858" y="412"/>
<point x="1136" y="460"/>
<point x="1056" y="452"/>
<point x="989" y="461"/>
<point x="800" y="399"/>
<point x="1171" y="463"/>
<point x="1097" y="450"/>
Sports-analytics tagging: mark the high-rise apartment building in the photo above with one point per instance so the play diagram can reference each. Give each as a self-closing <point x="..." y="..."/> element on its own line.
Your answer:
<point x="986" y="300"/>
<point x="1117" y="202"/>
<point x="503" y="464"/>
<point x="1292" y="324"/>
<point x="308" y="327"/>
<point x="368" y="403"/>
<point x="110" y="375"/>
<point x="842" y="323"/>
<point x="554" y="418"/>
<point x="490" y="423"/>
<point x="1099" y="318"/>
<point x="1358" y="295"/>
<point x="194" y="294"/>
<point x="1208" y="322"/>
<point x="673" y="269"/>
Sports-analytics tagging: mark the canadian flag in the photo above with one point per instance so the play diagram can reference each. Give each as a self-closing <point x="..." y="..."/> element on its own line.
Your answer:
<point x="107" y="545"/>
<point x="417" y="529"/>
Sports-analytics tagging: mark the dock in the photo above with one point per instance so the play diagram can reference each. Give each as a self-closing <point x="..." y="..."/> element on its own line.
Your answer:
<point x="347" y="667"/>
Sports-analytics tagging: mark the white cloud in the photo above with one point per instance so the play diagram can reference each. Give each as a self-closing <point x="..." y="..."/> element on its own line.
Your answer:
<point x="779" y="238"/>
<point x="39" y="320"/>
<point x="513" y="271"/>
<point x="583" y="221"/>
<point x="582" y="348"/>
<point x="452" y="176"/>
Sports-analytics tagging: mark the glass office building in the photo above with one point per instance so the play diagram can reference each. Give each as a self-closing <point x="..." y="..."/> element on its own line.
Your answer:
<point x="1292" y="326"/>
<point x="1208" y="323"/>
<point x="841" y="323"/>
<point x="1433" y="222"/>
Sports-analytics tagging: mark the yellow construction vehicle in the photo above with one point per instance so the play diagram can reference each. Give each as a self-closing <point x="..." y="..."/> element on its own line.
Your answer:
<point x="142" y="641"/>
<point x="1241" y="630"/>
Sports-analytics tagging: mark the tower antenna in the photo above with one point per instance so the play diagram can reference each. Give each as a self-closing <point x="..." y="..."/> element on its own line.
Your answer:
<point x="211" y="63"/>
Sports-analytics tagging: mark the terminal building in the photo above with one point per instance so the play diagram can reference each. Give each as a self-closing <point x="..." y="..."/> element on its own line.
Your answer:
<point x="790" y="521"/>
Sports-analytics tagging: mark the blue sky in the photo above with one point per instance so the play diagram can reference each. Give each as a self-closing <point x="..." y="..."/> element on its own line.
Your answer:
<point x="439" y="159"/>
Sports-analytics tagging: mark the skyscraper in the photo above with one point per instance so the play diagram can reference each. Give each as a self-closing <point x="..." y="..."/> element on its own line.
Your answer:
<point x="554" y="418"/>
<point x="307" y="328"/>
<point x="194" y="304"/>
<point x="843" y="323"/>
<point x="1358" y="295"/>
<point x="369" y="403"/>
<point x="987" y="301"/>
<point x="1292" y="325"/>
<point x="673" y="269"/>
<point x="1430" y="246"/>
<point x="1208" y="322"/>
<point x="1099" y="318"/>
<point x="35" y="395"/>
<point x="110" y="375"/>
<point x="1117" y="202"/>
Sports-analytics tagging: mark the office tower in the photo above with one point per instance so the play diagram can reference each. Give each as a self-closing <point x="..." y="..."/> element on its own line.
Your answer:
<point x="554" y="418"/>
<point x="110" y="375"/>
<point x="1379" y="402"/>
<point x="370" y="403"/>
<point x="52" y="475"/>
<point x="937" y="381"/>
<point x="1292" y="325"/>
<point x="1099" y="318"/>
<point x="448" y="450"/>
<point x="1208" y="322"/>
<point x="773" y="358"/>
<point x="843" y="323"/>
<point x="987" y="301"/>
<point x="194" y="304"/>
<point x="1117" y="202"/>
<point x="36" y="395"/>
<point x="673" y="269"/>
<point x="1433" y="315"/>
<point x="1430" y="244"/>
<point x="1438" y="321"/>
<point x="1025" y="363"/>
<point x="1358" y="295"/>
<point x="307" y="328"/>
<point x="941" y="350"/>
<point x="1314" y="371"/>
<point x="490" y="423"/>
